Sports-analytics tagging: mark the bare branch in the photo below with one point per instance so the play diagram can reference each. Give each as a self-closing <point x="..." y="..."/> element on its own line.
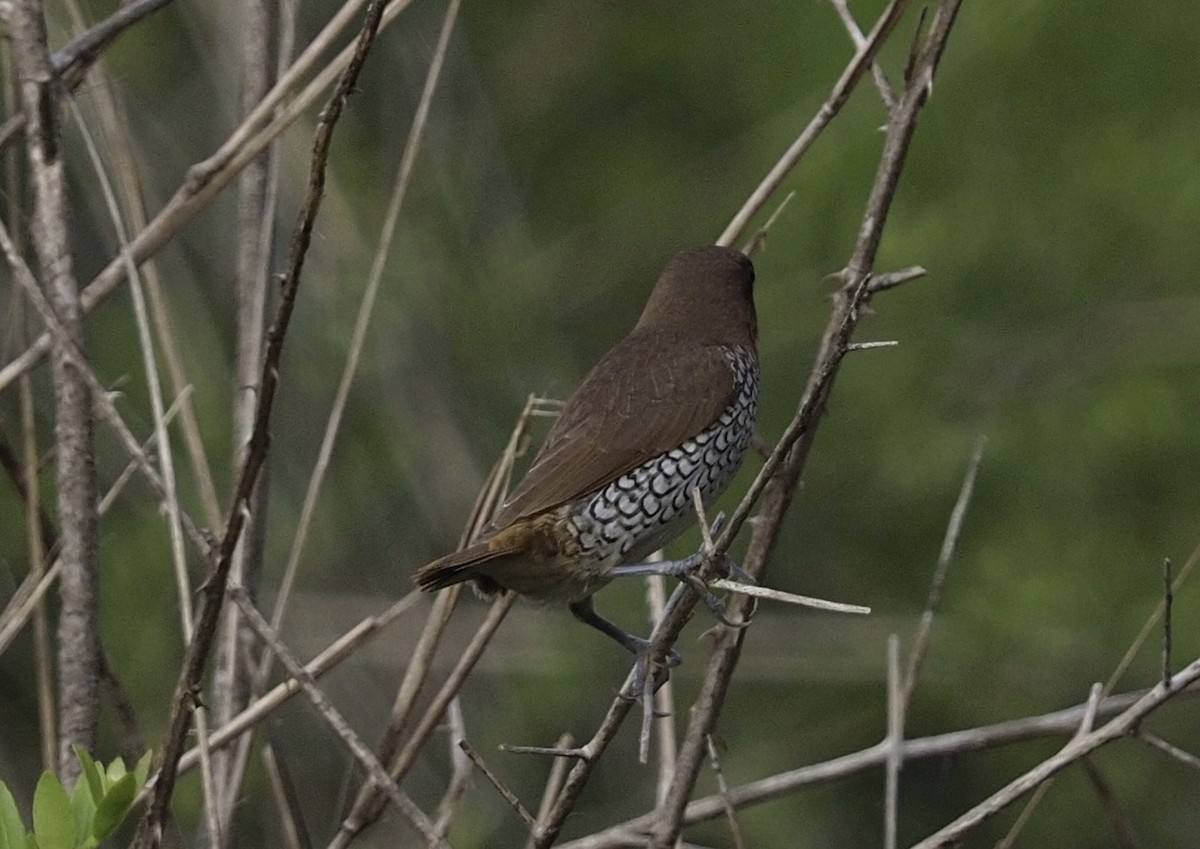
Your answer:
<point x="856" y="35"/>
<point x="1079" y="747"/>
<point x="916" y="657"/>
<point x="150" y="830"/>
<point x="840" y="93"/>
<point x="1064" y="722"/>
<point x="78" y="638"/>
<point x="494" y="780"/>
<point x="895" y="739"/>
<point x="334" y="718"/>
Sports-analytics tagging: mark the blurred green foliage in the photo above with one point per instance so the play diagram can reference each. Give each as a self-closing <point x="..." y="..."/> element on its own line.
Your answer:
<point x="1053" y="194"/>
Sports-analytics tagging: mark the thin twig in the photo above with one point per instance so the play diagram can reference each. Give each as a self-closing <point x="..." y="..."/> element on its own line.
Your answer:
<point x="838" y="96"/>
<point x="856" y="35"/>
<point x="460" y="777"/>
<point x="757" y="591"/>
<point x="916" y="657"/>
<point x="664" y="697"/>
<point x="206" y="178"/>
<point x="1073" y="751"/>
<point x="494" y="780"/>
<point x="287" y="802"/>
<point x="150" y="831"/>
<point x="1151" y="622"/>
<point x="895" y="739"/>
<point x="723" y="791"/>
<point x="883" y="282"/>
<point x="634" y="832"/>
<point x="558" y="771"/>
<point x="871" y="346"/>
<point x="1169" y="749"/>
<point x="334" y="718"/>
<point x="1122" y="830"/>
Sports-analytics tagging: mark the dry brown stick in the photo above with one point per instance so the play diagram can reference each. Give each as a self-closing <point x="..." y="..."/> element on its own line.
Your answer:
<point x="366" y="808"/>
<point x="71" y="62"/>
<point x="1167" y="602"/>
<point x="916" y="657"/>
<point x="1079" y="747"/>
<point x="334" y="718"/>
<point x="205" y="179"/>
<point x="494" y="780"/>
<point x="165" y="455"/>
<point x="150" y="829"/>
<point x="558" y="771"/>
<point x="788" y="458"/>
<point x="324" y="662"/>
<point x="634" y="832"/>
<point x="78" y="637"/>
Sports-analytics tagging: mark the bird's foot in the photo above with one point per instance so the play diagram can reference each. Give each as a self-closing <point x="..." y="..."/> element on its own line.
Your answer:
<point x="688" y="571"/>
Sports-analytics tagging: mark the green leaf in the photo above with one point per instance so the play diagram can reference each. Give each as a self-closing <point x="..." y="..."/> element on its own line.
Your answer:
<point x="84" y="808"/>
<point x="114" y="806"/>
<point x="53" y="821"/>
<point x="142" y="770"/>
<point x="91" y="772"/>
<point x="116" y="771"/>
<point x="12" y="829"/>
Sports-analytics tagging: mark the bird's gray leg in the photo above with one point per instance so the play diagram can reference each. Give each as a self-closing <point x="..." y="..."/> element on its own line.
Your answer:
<point x="586" y="613"/>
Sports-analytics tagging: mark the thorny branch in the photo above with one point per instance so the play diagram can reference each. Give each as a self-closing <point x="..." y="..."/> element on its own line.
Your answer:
<point x="781" y="474"/>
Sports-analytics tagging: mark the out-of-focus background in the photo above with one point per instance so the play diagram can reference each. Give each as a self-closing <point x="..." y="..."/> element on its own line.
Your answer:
<point x="1053" y="194"/>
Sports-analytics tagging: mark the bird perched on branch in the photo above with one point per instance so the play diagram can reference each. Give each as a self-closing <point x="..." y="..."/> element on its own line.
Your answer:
<point x="671" y="408"/>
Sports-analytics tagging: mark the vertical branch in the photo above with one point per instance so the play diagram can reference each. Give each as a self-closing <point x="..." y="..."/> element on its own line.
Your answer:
<point x="78" y="645"/>
<point x="37" y="541"/>
<point x="254" y="237"/>
<point x="789" y="462"/>
<point x="150" y="830"/>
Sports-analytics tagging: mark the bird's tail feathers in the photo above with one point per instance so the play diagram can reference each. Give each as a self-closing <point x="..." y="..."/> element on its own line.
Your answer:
<point x="457" y="567"/>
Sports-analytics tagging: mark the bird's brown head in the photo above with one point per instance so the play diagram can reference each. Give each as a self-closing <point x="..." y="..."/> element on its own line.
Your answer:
<point x="706" y="293"/>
